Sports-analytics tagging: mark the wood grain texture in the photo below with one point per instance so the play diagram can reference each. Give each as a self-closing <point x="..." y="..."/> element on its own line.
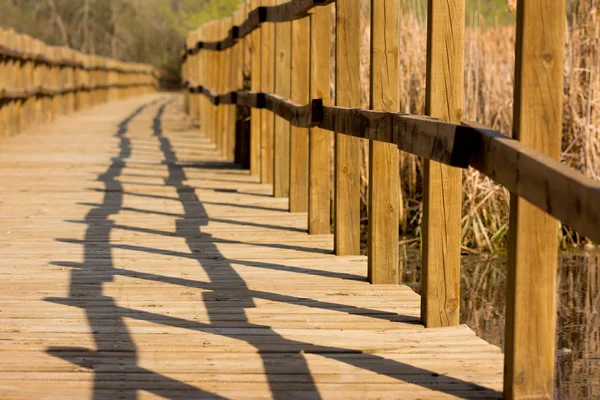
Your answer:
<point x="301" y="116"/>
<point x="267" y="82"/>
<point x="347" y="155"/>
<point x="141" y="265"/>
<point x="319" y="158"/>
<point x="442" y="186"/>
<point x="299" y="94"/>
<point x="255" y="114"/>
<point x="533" y="237"/>
<point x="283" y="83"/>
<point x="384" y="161"/>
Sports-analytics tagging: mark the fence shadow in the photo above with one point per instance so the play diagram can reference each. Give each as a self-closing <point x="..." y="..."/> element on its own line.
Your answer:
<point x="98" y="267"/>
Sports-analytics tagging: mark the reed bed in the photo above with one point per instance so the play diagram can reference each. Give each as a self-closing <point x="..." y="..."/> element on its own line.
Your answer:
<point x="489" y="79"/>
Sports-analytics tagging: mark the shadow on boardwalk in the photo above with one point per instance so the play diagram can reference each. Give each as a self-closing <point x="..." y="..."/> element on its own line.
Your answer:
<point x="115" y="357"/>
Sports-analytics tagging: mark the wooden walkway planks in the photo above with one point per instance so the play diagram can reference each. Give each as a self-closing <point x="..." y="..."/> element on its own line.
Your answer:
<point x="137" y="263"/>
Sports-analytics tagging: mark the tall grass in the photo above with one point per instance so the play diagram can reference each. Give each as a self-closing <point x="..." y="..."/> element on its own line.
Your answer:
<point x="489" y="79"/>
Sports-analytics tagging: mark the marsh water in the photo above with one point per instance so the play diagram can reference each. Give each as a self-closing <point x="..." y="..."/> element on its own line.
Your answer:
<point x="483" y="286"/>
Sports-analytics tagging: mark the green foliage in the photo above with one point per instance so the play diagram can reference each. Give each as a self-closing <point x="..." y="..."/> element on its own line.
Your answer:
<point x="148" y="31"/>
<point x="484" y="13"/>
<point x="488" y="13"/>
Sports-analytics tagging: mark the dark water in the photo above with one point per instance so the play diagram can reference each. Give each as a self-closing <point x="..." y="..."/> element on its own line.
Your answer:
<point x="483" y="288"/>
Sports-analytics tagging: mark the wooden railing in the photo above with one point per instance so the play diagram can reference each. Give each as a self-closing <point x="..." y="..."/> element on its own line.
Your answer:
<point x="40" y="82"/>
<point x="285" y="49"/>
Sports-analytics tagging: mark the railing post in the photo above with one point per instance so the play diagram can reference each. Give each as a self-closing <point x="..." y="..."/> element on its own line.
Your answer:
<point x="440" y="277"/>
<point x="92" y="80"/>
<point x="236" y="57"/>
<point x="298" y="161"/>
<point x="384" y="162"/>
<point x="283" y="63"/>
<point x="193" y="66"/>
<point x="185" y="74"/>
<point x="223" y="85"/>
<point x="38" y="77"/>
<point x="3" y="78"/>
<point x="246" y="121"/>
<point x="85" y="80"/>
<point x="255" y="114"/>
<point x="20" y="64"/>
<point x="78" y="79"/>
<point x="533" y="234"/>
<point x="319" y="158"/>
<point x="53" y="75"/>
<point x="71" y="80"/>
<point x="203" y="80"/>
<point x="267" y="84"/>
<point x="198" y="78"/>
<point x="226" y="87"/>
<point x="27" y="117"/>
<point x="12" y="67"/>
<point x="212" y="82"/>
<point x="26" y="114"/>
<point x="347" y="149"/>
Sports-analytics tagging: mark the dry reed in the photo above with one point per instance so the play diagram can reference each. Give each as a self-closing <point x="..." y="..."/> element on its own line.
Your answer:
<point x="489" y="79"/>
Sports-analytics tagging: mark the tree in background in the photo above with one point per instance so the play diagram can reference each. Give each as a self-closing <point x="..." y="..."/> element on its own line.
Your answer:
<point x="149" y="31"/>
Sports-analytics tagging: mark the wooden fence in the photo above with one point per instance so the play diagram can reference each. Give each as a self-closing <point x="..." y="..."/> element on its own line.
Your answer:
<point x="40" y="82"/>
<point x="285" y="49"/>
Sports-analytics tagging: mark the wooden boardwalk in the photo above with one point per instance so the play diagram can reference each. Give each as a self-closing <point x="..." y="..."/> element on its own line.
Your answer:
<point x="136" y="263"/>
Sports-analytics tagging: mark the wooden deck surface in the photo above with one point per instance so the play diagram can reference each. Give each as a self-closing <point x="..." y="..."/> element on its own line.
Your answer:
<point x="136" y="263"/>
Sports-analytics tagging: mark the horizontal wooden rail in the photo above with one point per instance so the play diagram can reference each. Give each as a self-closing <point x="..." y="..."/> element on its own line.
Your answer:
<point x="279" y="13"/>
<point x="545" y="182"/>
<point x="45" y="90"/>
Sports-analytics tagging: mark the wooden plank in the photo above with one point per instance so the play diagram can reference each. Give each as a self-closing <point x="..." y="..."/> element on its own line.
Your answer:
<point x="442" y="186"/>
<point x="533" y="239"/>
<point x="347" y="155"/>
<point x="267" y="83"/>
<point x="384" y="160"/>
<point x="319" y="168"/>
<point x="95" y="304"/>
<point x="298" y="160"/>
<point x="283" y="83"/>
